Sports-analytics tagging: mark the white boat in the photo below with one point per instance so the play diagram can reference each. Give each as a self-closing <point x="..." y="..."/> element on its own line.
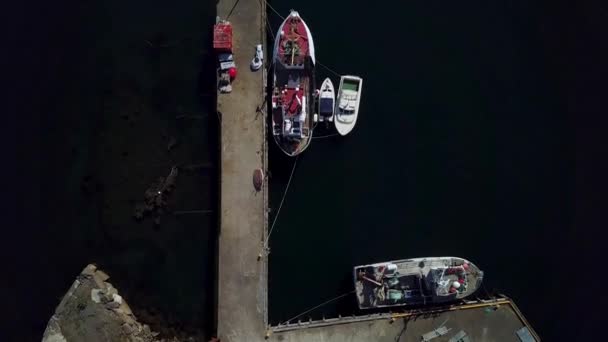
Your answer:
<point x="416" y="281"/>
<point x="347" y="106"/>
<point x="327" y="99"/>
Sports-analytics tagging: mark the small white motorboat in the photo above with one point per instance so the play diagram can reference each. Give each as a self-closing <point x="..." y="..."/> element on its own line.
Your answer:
<point x="347" y="106"/>
<point x="327" y="99"/>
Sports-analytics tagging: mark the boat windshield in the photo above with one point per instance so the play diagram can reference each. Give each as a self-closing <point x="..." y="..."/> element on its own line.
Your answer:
<point x="327" y="105"/>
<point x="350" y="85"/>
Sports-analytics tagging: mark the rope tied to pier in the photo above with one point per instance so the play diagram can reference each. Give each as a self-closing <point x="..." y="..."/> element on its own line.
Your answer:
<point x="232" y="9"/>
<point x="329" y="69"/>
<point x="270" y="28"/>
<point x="274" y="10"/>
<point x="276" y="216"/>
<point x="320" y="305"/>
<point x="326" y="136"/>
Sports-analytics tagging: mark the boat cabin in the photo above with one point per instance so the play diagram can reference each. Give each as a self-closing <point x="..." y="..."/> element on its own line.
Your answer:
<point x="289" y="105"/>
<point x="348" y="96"/>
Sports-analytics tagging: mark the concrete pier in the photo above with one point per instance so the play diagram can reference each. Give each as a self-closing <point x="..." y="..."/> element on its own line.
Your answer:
<point x="242" y="279"/>
<point x="493" y="320"/>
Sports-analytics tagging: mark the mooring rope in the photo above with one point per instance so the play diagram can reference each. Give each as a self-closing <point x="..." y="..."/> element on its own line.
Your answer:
<point x="402" y="331"/>
<point x="486" y="291"/>
<point x="270" y="28"/>
<point x="274" y="10"/>
<point x="232" y="9"/>
<point x="326" y="136"/>
<point x="329" y="69"/>
<point x="318" y="306"/>
<point x="276" y="216"/>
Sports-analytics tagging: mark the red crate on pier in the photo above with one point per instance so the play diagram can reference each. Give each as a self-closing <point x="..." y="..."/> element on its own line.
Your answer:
<point x="222" y="37"/>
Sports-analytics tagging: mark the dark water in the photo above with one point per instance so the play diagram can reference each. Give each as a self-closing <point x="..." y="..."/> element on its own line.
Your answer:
<point x="98" y="89"/>
<point x="463" y="147"/>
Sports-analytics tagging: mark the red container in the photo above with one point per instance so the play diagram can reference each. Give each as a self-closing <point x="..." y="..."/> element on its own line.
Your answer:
<point x="222" y="37"/>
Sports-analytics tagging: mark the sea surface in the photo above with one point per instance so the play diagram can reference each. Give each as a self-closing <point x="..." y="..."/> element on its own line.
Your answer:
<point x="110" y="95"/>
<point x="462" y="147"/>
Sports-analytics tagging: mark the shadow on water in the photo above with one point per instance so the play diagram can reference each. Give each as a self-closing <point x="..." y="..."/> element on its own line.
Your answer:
<point x="113" y="95"/>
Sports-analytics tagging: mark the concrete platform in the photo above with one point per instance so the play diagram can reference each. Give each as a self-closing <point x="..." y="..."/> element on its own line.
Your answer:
<point x="242" y="279"/>
<point x="480" y="322"/>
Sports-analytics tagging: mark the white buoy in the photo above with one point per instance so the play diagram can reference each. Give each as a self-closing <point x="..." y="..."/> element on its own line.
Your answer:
<point x="456" y="284"/>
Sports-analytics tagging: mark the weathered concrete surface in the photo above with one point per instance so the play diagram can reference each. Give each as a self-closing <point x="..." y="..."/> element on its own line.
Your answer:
<point x="480" y="324"/>
<point x="92" y="310"/>
<point x="242" y="278"/>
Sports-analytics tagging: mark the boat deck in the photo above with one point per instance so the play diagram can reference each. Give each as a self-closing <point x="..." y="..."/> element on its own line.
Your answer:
<point x="294" y="42"/>
<point x="292" y="103"/>
<point x="418" y="281"/>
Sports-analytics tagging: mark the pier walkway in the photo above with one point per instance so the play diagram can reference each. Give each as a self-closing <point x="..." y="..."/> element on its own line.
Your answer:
<point x="242" y="279"/>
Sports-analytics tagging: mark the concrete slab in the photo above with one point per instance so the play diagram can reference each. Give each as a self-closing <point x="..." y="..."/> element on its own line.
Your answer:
<point x="479" y="323"/>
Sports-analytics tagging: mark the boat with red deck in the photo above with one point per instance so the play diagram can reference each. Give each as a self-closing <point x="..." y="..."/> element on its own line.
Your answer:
<point x="293" y="90"/>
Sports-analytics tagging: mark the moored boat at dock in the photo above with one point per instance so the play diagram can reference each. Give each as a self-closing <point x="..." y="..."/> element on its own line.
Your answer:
<point x="417" y="281"/>
<point x="293" y="99"/>
<point x="327" y="99"/>
<point x="347" y="103"/>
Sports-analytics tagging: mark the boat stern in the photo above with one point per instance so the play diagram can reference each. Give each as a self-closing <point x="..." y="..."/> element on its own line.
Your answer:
<point x="358" y="287"/>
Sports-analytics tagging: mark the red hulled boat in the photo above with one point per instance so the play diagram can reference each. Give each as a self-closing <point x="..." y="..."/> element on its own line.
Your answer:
<point x="293" y="85"/>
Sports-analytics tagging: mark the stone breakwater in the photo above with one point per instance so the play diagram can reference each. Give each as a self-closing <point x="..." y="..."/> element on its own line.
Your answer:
<point x="93" y="310"/>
